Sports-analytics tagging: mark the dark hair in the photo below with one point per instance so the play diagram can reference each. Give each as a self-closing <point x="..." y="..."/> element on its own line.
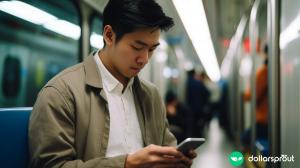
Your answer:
<point x="170" y="96"/>
<point x="203" y="75"/>
<point x="191" y="73"/>
<point x="126" y="16"/>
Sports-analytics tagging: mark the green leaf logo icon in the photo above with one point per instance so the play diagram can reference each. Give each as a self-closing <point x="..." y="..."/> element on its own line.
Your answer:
<point x="236" y="158"/>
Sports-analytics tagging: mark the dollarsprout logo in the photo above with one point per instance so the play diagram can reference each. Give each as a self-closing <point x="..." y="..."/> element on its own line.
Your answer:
<point x="236" y="158"/>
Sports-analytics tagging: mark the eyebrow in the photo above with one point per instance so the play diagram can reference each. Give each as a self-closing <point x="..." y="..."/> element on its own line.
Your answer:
<point x="145" y="44"/>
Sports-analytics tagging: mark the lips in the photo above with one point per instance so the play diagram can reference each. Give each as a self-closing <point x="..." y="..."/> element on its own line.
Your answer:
<point x="136" y="69"/>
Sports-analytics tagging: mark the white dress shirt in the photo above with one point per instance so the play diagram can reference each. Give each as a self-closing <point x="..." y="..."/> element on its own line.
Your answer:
<point x="124" y="133"/>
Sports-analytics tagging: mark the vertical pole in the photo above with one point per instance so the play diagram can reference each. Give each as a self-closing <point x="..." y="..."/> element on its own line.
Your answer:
<point x="274" y="78"/>
<point x="85" y="30"/>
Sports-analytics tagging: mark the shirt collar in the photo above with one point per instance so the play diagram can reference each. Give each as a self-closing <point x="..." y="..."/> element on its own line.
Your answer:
<point x="108" y="79"/>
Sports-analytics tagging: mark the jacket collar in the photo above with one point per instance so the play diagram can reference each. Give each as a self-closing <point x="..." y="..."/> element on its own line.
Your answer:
<point x="112" y="83"/>
<point x="92" y="74"/>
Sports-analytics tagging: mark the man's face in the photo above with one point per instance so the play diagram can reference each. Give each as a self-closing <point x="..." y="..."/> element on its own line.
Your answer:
<point x="133" y="51"/>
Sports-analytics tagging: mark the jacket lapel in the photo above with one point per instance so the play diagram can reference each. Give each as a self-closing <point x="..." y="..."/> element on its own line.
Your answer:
<point x="140" y="99"/>
<point x="99" y="104"/>
<point x="93" y="76"/>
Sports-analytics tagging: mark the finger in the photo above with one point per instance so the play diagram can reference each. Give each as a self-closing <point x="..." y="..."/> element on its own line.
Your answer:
<point x="166" y="159"/>
<point x="186" y="161"/>
<point x="191" y="154"/>
<point x="166" y="151"/>
<point x="168" y="155"/>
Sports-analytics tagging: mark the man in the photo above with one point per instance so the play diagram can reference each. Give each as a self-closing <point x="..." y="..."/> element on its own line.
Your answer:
<point x="197" y="97"/>
<point x="261" y="102"/>
<point x="98" y="113"/>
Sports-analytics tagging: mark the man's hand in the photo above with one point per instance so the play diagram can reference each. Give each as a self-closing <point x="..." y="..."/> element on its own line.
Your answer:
<point x="191" y="154"/>
<point x="154" y="156"/>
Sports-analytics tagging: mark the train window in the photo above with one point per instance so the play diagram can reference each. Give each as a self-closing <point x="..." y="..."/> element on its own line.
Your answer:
<point x="11" y="77"/>
<point x="96" y="40"/>
<point x="43" y="37"/>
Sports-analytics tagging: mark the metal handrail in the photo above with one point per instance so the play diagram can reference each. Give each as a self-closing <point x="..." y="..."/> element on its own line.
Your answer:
<point x="274" y="78"/>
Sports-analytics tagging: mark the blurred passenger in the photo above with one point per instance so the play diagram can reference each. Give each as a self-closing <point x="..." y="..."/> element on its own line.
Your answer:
<point x="177" y="115"/>
<point x="223" y="106"/>
<point x="261" y="102"/>
<point x="197" y="97"/>
<point x="99" y="113"/>
<point x="214" y="98"/>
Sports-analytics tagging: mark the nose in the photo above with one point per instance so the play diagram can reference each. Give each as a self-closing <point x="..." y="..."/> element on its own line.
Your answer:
<point x="143" y="58"/>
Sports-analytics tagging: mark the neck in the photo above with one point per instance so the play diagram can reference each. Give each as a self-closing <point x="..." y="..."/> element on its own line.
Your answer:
<point x="109" y="65"/>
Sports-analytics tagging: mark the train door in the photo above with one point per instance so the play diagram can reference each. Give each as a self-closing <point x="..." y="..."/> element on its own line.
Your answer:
<point x="289" y="81"/>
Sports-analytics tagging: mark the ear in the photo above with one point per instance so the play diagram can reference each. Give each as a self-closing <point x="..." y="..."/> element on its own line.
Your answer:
<point x="108" y="35"/>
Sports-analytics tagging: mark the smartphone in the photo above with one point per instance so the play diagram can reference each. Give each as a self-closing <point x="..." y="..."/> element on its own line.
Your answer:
<point x="190" y="143"/>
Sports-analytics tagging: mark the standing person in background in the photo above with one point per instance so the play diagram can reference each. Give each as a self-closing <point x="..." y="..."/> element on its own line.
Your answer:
<point x="214" y="98"/>
<point x="98" y="113"/>
<point x="261" y="101"/>
<point x="197" y="97"/>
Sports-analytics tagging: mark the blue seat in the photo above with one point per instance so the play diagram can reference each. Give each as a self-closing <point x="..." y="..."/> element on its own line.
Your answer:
<point x="13" y="137"/>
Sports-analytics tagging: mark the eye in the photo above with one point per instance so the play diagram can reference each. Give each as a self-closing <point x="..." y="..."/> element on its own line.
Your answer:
<point x="136" y="48"/>
<point x="152" y="49"/>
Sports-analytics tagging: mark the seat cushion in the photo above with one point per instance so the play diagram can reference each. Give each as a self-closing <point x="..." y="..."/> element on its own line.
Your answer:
<point x="13" y="137"/>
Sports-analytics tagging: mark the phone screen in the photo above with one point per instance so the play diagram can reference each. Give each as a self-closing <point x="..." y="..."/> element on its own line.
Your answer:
<point x="190" y="143"/>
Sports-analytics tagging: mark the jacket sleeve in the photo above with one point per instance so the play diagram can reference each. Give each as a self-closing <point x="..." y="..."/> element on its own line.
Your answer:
<point x="52" y="135"/>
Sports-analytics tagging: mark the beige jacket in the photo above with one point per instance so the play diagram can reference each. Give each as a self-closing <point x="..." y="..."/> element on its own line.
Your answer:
<point x="69" y="124"/>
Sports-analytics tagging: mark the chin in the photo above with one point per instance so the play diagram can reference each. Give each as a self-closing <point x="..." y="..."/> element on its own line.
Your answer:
<point x="132" y="75"/>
